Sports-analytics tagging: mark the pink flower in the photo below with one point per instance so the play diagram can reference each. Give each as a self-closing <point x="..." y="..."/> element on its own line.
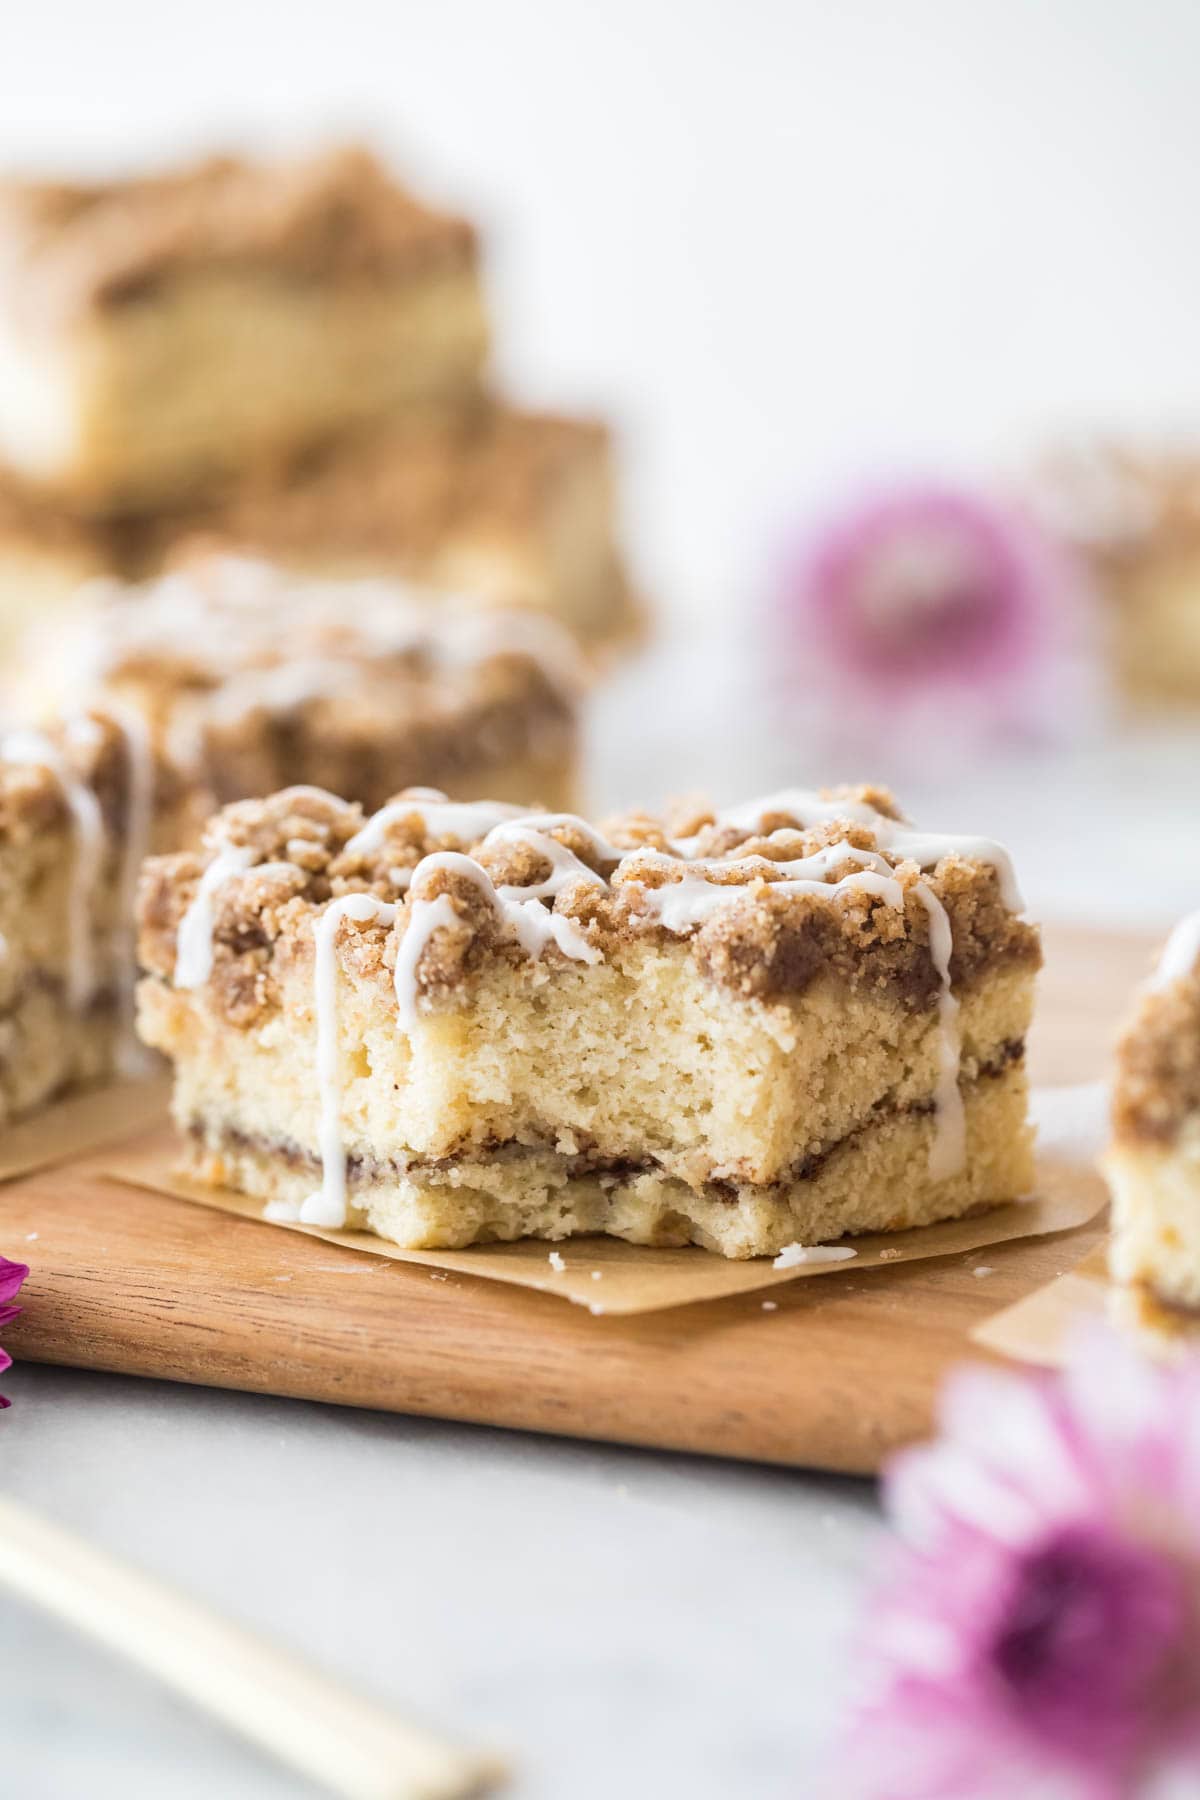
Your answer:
<point x="11" y="1276"/>
<point x="923" y="605"/>
<point x="1039" y="1631"/>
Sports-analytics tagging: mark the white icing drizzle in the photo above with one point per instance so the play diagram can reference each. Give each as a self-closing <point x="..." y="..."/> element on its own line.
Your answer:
<point x="679" y="906"/>
<point x="132" y="1056"/>
<point x="280" y="688"/>
<point x="949" y="1148"/>
<point x="565" y="866"/>
<point x="424" y="918"/>
<point x="1180" y="954"/>
<point x="327" y="1206"/>
<point x="33" y="748"/>
<point x="793" y="1256"/>
<point x="599" y="846"/>
<point x="194" y="942"/>
<point x="531" y="923"/>
<point x="223" y="614"/>
<point x="535" y="927"/>
<point x="469" y="821"/>
<point x="925" y="848"/>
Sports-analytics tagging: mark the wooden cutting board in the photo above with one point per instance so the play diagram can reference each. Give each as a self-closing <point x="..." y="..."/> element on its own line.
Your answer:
<point x="843" y="1371"/>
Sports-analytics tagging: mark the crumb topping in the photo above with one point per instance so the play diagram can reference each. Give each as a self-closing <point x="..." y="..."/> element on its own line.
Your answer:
<point x="336" y="216"/>
<point x="366" y="684"/>
<point x="766" y="898"/>
<point x="1157" y="1083"/>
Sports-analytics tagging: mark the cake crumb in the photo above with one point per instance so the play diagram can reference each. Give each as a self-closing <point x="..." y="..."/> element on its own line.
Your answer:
<point x="983" y="1270"/>
<point x="770" y="1306"/>
<point x="792" y="1255"/>
<point x="556" y="1262"/>
<point x="597" y="1274"/>
<point x="595" y="1308"/>
<point x="439" y="1275"/>
<point x="890" y="1255"/>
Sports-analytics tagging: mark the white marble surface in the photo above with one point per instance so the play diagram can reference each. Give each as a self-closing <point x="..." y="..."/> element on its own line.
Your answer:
<point x="625" y="1623"/>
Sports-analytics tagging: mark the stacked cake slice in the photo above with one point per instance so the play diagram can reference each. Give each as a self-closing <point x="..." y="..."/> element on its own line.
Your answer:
<point x="1153" y="1164"/>
<point x="455" y="1023"/>
<point x="288" y="359"/>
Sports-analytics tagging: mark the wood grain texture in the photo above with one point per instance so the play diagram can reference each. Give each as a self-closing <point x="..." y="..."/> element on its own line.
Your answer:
<point x="843" y="1371"/>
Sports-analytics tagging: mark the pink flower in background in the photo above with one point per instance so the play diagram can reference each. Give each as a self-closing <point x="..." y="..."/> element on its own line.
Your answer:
<point x="1039" y="1631"/>
<point x="11" y="1276"/>
<point x="930" y="604"/>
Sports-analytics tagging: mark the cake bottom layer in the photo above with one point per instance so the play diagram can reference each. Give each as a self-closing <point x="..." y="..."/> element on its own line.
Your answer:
<point x="1156" y="1217"/>
<point x="877" y="1179"/>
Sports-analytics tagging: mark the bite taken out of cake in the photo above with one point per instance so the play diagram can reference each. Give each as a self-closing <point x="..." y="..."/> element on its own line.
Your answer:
<point x="1153" y="1161"/>
<point x="452" y="1024"/>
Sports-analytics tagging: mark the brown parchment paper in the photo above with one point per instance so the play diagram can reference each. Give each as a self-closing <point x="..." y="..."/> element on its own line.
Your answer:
<point x="1040" y="1328"/>
<point x="609" y="1276"/>
<point x="81" y="1123"/>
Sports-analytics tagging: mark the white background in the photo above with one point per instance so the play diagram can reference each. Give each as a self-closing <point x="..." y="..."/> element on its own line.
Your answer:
<point x="784" y="244"/>
<point x="781" y="244"/>
<point x="779" y="240"/>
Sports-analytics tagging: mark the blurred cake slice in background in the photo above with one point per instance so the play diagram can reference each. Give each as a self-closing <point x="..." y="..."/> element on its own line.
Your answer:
<point x="1153" y="1163"/>
<point x="1133" y="519"/>
<point x="161" y="335"/>
<point x="516" y="510"/>
<point x="81" y="805"/>
<point x="247" y="679"/>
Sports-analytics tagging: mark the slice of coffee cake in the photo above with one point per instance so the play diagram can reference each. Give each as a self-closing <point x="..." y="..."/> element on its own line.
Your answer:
<point x="81" y="805"/>
<point x="247" y="681"/>
<point x="460" y="1023"/>
<point x="518" y="510"/>
<point x="1153" y="1163"/>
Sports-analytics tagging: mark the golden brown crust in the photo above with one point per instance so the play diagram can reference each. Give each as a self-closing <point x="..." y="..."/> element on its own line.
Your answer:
<point x="1157" y="1085"/>
<point x="331" y="217"/>
<point x="764" y="946"/>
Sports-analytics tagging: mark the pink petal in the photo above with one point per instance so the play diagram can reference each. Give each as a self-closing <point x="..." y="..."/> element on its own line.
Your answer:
<point x="1003" y="1463"/>
<point x="12" y="1274"/>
